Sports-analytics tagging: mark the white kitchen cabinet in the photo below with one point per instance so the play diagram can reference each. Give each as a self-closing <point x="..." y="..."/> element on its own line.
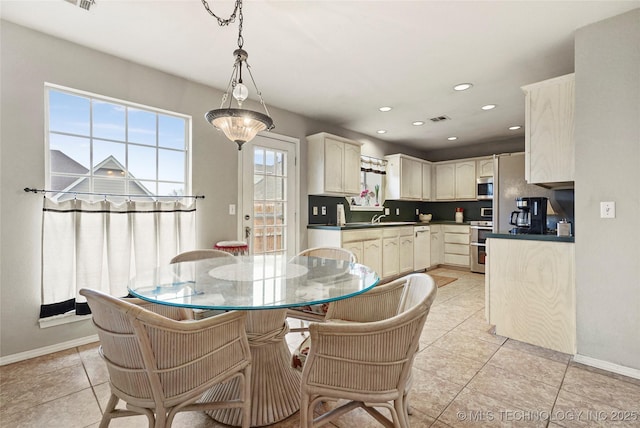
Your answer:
<point x="437" y="245"/>
<point x="484" y="167"/>
<point x="456" y="180"/>
<point x="456" y="245"/>
<point x="366" y="244"/>
<point x="333" y="165"/>
<point x="406" y="251"/>
<point x="549" y="131"/>
<point x="426" y="181"/>
<point x="465" y="180"/>
<point x="530" y="292"/>
<point x="390" y="257"/>
<point x="445" y="181"/>
<point x="403" y="178"/>
<point x="372" y="254"/>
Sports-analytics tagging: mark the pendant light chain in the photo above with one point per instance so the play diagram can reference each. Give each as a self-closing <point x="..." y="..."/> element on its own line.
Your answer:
<point x="237" y="12"/>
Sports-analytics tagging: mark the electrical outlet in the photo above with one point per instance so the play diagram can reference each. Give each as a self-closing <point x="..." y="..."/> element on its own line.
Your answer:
<point x="397" y="211"/>
<point x="386" y="211"/>
<point x="607" y="210"/>
<point x="324" y="210"/>
<point x="315" y="210"/>
<point x="232" y="209"/>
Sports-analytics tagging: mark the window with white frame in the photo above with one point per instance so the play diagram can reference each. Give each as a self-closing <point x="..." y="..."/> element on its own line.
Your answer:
<point x="102" y="145"/>
<point x="109" y="163"/>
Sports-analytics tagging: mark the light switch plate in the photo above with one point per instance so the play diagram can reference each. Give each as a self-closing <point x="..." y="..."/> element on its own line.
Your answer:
<point x="397" y="211"/>
<point x="315" y="210"/>
<point x="607" y="210"/>
<point x="386" y="211"/>
<point x="232" y="209"/>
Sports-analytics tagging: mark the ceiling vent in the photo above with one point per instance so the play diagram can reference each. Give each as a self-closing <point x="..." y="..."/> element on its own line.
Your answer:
<point x="84" y="4"/>
<point x="439" y="118"/>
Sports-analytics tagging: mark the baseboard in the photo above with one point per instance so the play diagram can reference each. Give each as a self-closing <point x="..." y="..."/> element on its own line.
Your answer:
<point x="21" y="356"/>
<point x="606" y="365"/>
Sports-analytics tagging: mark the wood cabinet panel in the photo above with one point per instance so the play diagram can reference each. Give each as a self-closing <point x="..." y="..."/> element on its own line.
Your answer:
<point x="549" y="131"/>
<point x="531" y="292"/>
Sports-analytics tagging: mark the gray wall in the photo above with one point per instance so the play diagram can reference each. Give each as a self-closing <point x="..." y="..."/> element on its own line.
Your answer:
<point x="28" y="60"/>
<point x="608" y="169"/>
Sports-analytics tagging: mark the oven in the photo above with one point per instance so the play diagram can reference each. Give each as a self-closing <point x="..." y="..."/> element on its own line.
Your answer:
<point x="478" y="250"/>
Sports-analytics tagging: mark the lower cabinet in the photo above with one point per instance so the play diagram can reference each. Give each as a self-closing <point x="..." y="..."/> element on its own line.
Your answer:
<point x="387" y="250"/>
<point x="530" y="292"/>
<point x="456" y="245"/>
<point x="437" y="245"/>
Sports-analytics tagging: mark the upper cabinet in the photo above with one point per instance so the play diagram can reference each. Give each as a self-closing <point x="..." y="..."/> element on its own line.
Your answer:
<point x="549" y="133"/>
<point x="333" y="165"/>
<point x="484" y="167"/>
<point x="456" y="180"/>
<point x="405" y="179"/>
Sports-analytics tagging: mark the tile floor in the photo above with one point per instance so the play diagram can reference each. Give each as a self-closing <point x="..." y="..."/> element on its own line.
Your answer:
<point x="463" y="376"/>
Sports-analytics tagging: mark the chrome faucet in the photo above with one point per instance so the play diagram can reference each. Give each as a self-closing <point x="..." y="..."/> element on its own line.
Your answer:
<point x="376" y="219"/>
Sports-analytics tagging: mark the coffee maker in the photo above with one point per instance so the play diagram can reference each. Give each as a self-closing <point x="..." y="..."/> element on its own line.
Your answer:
<point x="532" y="217"/>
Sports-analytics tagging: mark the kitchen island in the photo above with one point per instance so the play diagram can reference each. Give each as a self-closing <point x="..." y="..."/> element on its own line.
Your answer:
<point x="530" y="289"/>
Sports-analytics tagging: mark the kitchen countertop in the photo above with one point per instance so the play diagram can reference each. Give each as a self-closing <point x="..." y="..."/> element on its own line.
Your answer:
<point x="364" y="225"/>
<point x="525" y="237"/>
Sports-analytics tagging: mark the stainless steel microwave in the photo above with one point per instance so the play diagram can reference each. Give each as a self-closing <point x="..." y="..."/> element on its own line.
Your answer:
<point x="484" y="188"/>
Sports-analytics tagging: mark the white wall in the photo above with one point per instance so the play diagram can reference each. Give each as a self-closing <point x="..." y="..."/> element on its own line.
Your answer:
<point x="608" y="169"/>
<point x="28" y="60"/>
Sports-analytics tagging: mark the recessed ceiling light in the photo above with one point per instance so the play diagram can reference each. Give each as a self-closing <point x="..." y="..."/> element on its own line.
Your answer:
<point x="462" y="86"/>
<point x="381" y="131"/>
<point x="418" y="123"/>
<point x="384" y="108"/>
<point x="514" y="128"/>
<point x="489" y="107"/>
<point x="452" y="138"/>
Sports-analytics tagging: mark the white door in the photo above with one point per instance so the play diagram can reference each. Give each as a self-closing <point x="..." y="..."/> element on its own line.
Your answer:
<point x="269" y="196"/>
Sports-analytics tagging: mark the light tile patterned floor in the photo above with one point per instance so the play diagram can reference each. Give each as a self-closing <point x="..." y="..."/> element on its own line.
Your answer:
<point x="463" y="376"/>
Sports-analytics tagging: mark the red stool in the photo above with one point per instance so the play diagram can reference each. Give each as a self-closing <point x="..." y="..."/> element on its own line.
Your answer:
<point x="234" y="247"/>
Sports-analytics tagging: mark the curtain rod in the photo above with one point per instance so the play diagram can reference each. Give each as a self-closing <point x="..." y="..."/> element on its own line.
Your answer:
<point x="28" y="189"/>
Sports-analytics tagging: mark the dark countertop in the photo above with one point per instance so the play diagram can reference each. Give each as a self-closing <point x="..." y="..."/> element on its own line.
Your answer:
<point x="525" y="237"/>
<point x="363" y="225"/>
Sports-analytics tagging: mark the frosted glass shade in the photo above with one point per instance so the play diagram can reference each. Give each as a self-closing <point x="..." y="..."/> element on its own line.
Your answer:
<point x="239" y="125"/>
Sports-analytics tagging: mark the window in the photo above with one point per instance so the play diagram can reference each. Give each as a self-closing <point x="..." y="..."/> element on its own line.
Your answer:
<point x="106" y="146"/>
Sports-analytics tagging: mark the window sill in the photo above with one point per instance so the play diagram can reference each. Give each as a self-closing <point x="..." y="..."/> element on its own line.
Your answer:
<point x="62" y="319"/>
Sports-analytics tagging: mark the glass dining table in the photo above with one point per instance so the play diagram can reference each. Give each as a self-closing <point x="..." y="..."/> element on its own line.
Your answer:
<point x="264" y="286"/>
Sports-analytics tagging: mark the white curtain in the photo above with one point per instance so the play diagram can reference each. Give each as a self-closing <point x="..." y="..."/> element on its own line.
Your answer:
<point x="101" y="245"/>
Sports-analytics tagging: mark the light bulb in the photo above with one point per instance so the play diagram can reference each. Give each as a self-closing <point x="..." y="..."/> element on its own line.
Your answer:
<point x="240" y="92"/>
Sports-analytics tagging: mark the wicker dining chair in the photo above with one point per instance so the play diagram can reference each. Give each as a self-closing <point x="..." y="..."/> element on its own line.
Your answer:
<point x="189" y="256"/>
<point x="367" y="363"/>
<point x="159" y="366"/>
<point x="317" y="312"/>
<point x="193" y="255"/>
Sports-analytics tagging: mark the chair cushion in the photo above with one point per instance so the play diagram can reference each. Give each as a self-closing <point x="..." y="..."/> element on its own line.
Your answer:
<point x="320" y="309"/>
<point x="300" y="354"/>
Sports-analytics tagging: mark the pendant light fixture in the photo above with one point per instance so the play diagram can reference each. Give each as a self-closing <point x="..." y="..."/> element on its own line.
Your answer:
<point x="238" y="124"/>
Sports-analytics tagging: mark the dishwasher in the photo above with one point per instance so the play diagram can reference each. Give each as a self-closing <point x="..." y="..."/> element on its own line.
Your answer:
<point x="421" y="248"/>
